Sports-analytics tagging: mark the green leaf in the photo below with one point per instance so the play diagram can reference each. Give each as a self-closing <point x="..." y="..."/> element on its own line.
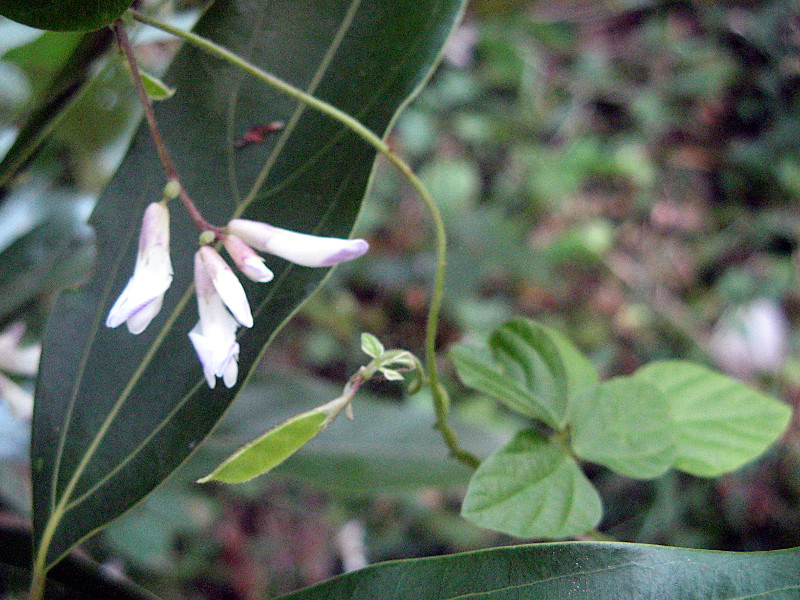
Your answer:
<point x="532" y="488"/>
<point x="53" y="254"/>
<point x="477" y="369"/>
<point x="544" y="361"/>
<point x="57" y="66"/>
<point x="115" y="414"/>
<point x="389" y="447"/>
<point x="720" y="424"/>
<point x="269" y="450"/>
<point x="537" y="371"/>
<point x="76" y="578"/>
<point x="625" y="426"/>
<point x="371" y="345"/>
<point x="573" y="571"/>
<point x="155" y="88"/>
<point x="64" y="15"/>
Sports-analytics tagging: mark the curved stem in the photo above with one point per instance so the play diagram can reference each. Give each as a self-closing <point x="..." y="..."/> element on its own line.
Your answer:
<point x="155" y="132"/>
<point x="440" y="397"/>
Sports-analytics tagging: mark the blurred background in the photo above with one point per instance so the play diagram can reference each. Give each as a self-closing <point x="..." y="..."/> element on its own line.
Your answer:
<point x="627" y="171"/>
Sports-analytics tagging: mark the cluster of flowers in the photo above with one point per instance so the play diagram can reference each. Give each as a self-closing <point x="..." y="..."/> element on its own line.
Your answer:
<point x="221" y="300"/>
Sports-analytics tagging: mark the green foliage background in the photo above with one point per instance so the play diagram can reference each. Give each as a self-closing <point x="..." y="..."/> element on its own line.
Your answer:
<point x="625" y="172"/>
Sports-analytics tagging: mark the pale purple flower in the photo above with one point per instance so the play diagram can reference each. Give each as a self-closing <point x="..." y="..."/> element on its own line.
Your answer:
<point x="214" y="336"/>
<point x="299" y="248"/>
<point x="142" y="297"/>
<point x="225" y="283"/>
<point x="249" y="263"/>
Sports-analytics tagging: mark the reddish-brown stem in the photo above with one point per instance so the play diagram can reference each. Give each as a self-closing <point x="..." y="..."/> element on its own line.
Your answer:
<point x="147" y="105"/>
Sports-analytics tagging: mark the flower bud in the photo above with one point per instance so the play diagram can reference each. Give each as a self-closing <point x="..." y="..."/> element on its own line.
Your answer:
<point x="142" y="297"/>
<point x="249" y="263"/>
<point x="299" y="248"/>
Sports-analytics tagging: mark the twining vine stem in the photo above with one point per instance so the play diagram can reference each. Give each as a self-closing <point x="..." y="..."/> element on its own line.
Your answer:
<point x="155" y="132"/>
<point x="441" y="399"/>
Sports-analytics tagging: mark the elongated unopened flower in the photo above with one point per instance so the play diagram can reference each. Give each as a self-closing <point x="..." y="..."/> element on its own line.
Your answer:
<point x="249" y="263"/>
<point x="214" y="336"/>
<point x="299" y="248"/>
<point x="141" y="299"/>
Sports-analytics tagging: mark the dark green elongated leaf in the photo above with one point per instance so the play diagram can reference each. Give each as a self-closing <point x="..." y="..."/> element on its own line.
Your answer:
<point x="57" y="65"/>
<point x="542" y="360"/>
<point x="115" y="414"/>
<point x="532" y="488"/>
<point x="51" y="255"/>
<point x="64" y="15"/>
<point x="76" y="578"/>
<point x="574" y="571"/>
<point x="719" y="423"/>
<point x="625" y="426"/>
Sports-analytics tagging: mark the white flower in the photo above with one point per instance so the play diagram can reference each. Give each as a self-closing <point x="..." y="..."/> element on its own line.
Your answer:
<point x="141" y="299"/>
<point x="249" y="263"/>
<point x="225" y="283"/>
<point x="18" y="399"/>
<point x="214" y="336"/>
<point x="299" y="248"/>
<point x="19" y="360"/>
<point x="16" y="358"/>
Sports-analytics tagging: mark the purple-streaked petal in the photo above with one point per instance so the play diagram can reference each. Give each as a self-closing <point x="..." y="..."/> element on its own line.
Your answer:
<point x="299" y="248"/>
<point x="245" y="258"/>
<point x="143" y="295"/>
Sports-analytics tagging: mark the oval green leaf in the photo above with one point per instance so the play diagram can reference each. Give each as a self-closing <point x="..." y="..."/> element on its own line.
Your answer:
<point x="574" y="571"/>
<point x="476" y="369"/>
<point x="269" y="450"/>
<point x="719" y="423"/>
<point x="64" y="15"/>
<point x="115" y="414"/>
<point x="389" y="447"/>
<point x="626" y="427"/>
<point x="532" y="488"/>
<point x="543" y="361"/>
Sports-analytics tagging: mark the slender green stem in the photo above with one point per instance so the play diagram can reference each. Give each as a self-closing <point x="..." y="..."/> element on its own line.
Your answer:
<point x="440" y="396"/>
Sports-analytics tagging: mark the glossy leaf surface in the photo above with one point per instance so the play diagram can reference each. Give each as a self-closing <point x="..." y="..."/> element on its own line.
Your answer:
<point x="64" y="15"/>
<point x="532" y="488"/>
<point x="625" y="426"/>
<point x="115" y="413"/>
<point x="574" y="571"/>
<point x="719" y="423"/>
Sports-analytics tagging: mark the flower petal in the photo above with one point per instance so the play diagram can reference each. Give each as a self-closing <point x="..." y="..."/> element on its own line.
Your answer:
<point x="214" y="335"/>
<point x="140" y="301"/>
<point x="143" y="295"/>
<point x="299" y="248"/>
<point x="249" y="263"/>
<point x="226" y="284"/>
